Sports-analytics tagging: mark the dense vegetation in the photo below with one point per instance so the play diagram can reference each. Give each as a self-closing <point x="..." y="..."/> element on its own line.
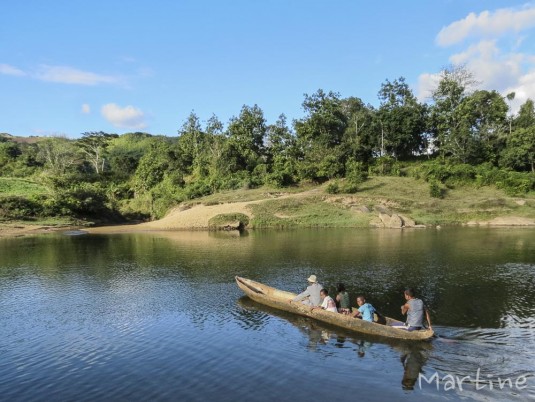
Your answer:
<point x="461" y="137"/>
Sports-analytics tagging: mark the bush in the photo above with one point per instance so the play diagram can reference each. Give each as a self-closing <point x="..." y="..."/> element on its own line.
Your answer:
<point x="199" y="188"/>
<point x="81" y="200"/>
<point x="383" y="166"/>
<point x="435" y="190"/>
<point x="333" y="187"/>
<point x="19" y="208"/>
<point x="515" y="185"/>
<point x="349" y="188"/>
<point x="356" y="172"/>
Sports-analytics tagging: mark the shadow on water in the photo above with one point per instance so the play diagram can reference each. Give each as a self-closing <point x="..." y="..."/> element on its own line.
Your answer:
<point x="412" y="355"/>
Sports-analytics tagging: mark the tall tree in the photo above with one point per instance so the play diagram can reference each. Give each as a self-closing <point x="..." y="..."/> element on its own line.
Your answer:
<point x="246" y="134"/>
<point x="93" y="145"/>
<point x="402" y="119"/>
<point x="483" y="120"/>
<point x="360" y="137"/>
<point x="320" y="136"/>
<point x="191" y="143"/>
<point x="519" y="152"/>
<point x="58" y="154"/>
<point x="454" y="85"/>
<point x="281" y="153"/>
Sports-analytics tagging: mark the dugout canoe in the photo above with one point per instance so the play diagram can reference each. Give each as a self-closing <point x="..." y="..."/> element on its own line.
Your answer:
<point x="279" y="299"/>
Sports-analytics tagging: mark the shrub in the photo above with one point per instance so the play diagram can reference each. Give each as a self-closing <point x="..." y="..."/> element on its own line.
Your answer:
<point x="435" y="190"/>
<point x="333" y="187"/>
<point x="19" y="208"/>
<point x="383" y="166"/>
<point x="356" y="172"/>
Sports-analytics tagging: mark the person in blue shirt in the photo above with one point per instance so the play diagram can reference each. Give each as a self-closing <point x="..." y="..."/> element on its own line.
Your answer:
<point x="365" y="310"/>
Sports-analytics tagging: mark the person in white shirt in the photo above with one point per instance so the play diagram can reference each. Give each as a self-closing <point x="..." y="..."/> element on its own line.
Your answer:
<point x="328" y="303"/>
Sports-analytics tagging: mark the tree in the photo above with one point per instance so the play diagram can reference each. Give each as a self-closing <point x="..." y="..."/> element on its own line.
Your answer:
<point x="320" y="135"/>
<point x="246" y="135"/>
<point x="359" y="139"/>
<point x="510" y="97"/>
<point x="447" y="128"/>
<point x="526" y="115"/>
<point x="402" y="119"/>
<point x="93" y="145"/>
<point x="158" y="161"/>
<point x="519" y="152"/>
<point x="281" y="153"/>
<point x="483" y="117"/>
<point x="191" y="143"/>
<point x="125" y="152"/>
<point x="58" y="154"/>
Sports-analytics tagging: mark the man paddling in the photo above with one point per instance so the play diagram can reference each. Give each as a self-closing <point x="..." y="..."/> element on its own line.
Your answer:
<point x="311" y="296"/>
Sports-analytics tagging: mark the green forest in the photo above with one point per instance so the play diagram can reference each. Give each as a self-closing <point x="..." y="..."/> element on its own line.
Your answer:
<point x="461" y="136"/>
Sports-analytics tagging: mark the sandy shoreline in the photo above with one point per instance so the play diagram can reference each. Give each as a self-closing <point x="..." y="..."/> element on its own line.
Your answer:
<point x="197" y="218"/>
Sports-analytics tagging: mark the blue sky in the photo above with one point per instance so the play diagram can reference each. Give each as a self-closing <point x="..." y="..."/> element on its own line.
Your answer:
<point x="67" y="67"/>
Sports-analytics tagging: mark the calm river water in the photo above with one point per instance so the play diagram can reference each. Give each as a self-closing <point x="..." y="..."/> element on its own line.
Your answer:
<point x="157" y="316"/>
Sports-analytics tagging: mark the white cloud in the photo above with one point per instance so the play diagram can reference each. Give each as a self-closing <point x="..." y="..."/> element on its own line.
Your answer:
<point x="426" y="84"/>
<point x="10" y="70"/>
<point x="86" y="109"/>
<point x="126" y="117"/>
<point x="487" y="23"/>
<point x="490" y="66"/>
<point x="524" y="89"/>
<point x="70" y="75"/>
<point x="502" y="65"/>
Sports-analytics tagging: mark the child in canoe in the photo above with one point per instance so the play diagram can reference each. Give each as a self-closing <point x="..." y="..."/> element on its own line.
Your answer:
<point x="328" y="302"/>
<point x="365" y="310"/>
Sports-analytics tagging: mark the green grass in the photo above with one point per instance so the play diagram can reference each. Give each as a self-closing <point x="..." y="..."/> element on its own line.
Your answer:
<point x="460" y="204"/>
<point x="305" y="212"/>
<point x="20" y="187"/>
<point x="250" y="194"/>
<point x="406" y="196"/>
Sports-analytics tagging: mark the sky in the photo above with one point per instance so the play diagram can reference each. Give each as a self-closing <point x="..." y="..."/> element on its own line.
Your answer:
<point x="72" y="66"/>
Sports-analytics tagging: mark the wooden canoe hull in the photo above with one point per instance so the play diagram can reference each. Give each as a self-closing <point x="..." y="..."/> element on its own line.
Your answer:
<point x="279" y="299"/>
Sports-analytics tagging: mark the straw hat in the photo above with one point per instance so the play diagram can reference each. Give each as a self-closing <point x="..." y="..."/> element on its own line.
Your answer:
<point x="312" y="279"/>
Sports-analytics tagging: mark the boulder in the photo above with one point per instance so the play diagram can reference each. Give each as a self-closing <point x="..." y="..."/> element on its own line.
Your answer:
<point x="382" y="210"/>
<point x="376" y="222"/>
<point x="407" y="222"/>
<point x="395" y="222"/>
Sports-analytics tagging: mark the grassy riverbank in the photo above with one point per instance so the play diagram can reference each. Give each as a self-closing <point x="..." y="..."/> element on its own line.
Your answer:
<point x="313" y="206"/>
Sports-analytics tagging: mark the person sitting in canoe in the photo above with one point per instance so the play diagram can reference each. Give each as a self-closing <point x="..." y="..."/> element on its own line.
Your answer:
<point x="342" y="299"/>
<point x="414" y="308"/>
<point x="311" y="296"/>
<point x="328" y="303"/>
<point x="365" y="310"/>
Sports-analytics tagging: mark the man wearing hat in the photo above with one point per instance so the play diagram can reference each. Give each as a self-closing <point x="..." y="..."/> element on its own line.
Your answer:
<point x="311" y="293"/>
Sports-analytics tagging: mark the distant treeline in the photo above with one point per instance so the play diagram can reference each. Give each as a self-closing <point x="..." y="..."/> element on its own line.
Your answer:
<point x="463" y="136"/>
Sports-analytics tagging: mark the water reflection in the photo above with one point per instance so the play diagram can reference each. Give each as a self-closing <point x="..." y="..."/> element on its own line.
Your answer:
<point x="112" y="310"/>
<point x="320" y="336"/>
<point x="413" y="360"/>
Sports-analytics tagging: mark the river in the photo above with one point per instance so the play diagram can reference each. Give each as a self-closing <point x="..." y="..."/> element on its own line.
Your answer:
<point x="157" y="316"/>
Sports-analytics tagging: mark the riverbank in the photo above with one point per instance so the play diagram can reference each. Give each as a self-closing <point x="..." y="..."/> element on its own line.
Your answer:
<point x="381" y="202"/>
